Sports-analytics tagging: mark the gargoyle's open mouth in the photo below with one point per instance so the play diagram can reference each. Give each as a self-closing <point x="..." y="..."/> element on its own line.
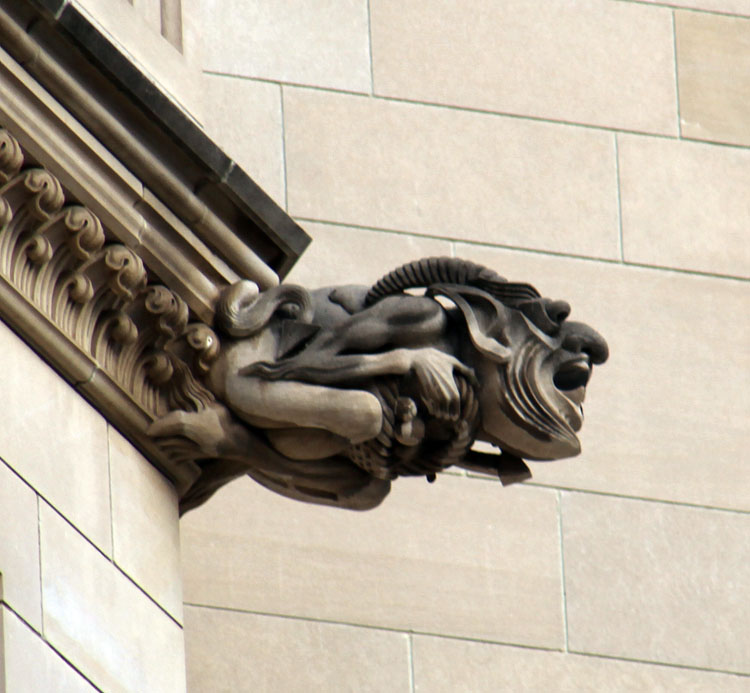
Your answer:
<point x="572" y="377"/>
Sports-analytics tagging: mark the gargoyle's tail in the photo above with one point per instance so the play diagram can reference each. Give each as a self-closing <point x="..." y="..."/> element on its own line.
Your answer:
<point x="242" y="310"/>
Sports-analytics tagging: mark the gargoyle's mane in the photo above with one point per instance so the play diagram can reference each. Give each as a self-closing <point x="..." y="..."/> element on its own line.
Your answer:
<point x="449" y="270"/>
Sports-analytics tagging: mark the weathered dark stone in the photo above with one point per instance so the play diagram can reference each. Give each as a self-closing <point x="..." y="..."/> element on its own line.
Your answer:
<point x="328" y="395"/>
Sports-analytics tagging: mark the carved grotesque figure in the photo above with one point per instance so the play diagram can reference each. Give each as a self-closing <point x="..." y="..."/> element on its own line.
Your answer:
<point x="328" y="395"/>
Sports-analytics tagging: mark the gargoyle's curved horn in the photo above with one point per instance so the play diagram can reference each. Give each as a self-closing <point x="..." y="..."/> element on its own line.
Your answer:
<point x="449" y="270"/>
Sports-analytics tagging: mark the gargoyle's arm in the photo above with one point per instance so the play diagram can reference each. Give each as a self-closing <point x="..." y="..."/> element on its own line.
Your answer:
<point x="434" y="370"/>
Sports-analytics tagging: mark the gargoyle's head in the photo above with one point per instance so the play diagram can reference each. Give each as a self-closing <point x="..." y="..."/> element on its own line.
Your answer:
<point x="532" y="365"/>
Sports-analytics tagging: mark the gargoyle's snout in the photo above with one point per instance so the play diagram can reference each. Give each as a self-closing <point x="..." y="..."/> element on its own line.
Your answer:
<point x="579" y="338"/>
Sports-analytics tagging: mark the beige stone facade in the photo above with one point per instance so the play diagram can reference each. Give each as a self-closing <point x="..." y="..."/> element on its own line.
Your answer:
<point x="597" y="149"/>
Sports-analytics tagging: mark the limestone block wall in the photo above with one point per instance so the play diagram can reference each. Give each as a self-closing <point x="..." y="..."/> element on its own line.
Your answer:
<point x="598" y="149"/>
<point x="90" y="586"/>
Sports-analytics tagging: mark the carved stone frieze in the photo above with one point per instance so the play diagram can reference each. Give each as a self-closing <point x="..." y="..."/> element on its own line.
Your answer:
<point x="98" y="293"/>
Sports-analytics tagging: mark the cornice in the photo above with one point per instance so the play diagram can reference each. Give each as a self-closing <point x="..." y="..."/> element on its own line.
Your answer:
<point x="80" y="66"/>
<point x="90" y="305"/>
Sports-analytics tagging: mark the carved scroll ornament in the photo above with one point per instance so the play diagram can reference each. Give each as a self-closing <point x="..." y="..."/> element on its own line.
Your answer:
<point x="98" y="295"/>
<point x="324" y="396"/>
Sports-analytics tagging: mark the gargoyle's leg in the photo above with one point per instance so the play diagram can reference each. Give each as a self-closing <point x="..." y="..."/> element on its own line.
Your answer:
<point x="396" y="321"/>
<point x="352" y="414"/>
<point x="367" y="344"/>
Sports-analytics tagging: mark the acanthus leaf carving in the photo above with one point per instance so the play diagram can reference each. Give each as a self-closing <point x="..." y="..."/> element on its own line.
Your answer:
<point x="11" y="156"/>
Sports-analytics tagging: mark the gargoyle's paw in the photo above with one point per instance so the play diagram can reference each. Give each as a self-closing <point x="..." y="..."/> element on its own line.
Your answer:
<point x="208" y="428"/>
<point x="440" y="398"/>
<point x="454" y="409"/>
<point x="467" y="373"/>
<point x="435" y="374"/>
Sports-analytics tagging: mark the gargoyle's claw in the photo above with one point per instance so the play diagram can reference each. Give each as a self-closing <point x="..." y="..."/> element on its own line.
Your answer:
<point x="468" y="373"/>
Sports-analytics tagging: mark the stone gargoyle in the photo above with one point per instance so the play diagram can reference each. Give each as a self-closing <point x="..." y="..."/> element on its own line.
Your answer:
<point x="327" y="396"/>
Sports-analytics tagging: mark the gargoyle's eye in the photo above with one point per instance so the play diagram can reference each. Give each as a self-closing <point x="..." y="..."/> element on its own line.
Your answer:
<point x="557" y="311"/>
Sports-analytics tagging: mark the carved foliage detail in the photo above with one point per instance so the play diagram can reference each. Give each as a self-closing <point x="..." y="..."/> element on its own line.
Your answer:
<point x="57" y="255"/>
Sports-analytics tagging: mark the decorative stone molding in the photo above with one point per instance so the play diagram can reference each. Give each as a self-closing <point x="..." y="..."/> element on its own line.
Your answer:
<point x="98" y="296"/>
<point x="53" y="44"/>
<point x="120" y="224"/>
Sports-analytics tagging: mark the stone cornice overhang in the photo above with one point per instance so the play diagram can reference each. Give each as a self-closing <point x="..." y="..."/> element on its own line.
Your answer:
<point x="151" y="135"/>
<point x="120" y="222"/>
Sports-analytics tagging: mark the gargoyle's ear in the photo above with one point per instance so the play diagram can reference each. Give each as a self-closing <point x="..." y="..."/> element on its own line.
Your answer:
<point x="486" y="318"/>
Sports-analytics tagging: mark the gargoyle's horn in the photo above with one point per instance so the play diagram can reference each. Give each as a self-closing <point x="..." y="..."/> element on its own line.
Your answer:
<point x="449" y="270"/>
<point x="242" y="310"/>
